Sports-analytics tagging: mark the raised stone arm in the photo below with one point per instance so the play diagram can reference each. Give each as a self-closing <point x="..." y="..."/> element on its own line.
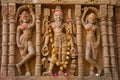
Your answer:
<point x="47" y="38"/>
<point x="20" y="9"/>
<point x="33" y="16"/>
<point x="83" y="16"/>
<point x="18" y="38"/>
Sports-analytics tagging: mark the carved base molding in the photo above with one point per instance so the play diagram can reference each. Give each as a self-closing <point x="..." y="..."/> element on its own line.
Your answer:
<point x="55" y="78"/>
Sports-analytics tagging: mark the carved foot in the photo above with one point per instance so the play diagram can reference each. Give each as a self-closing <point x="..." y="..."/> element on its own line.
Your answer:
<point x="18" y="67"/>
<point x="92" y="74"/>
<point x="61" y="73"/>
<point x="100" y="71"/>
<point x="48" y="73"/>
<point x="27" y="73"/>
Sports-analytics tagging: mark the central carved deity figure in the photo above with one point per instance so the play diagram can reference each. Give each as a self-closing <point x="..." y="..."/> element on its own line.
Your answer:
<point x="58" y="36"/>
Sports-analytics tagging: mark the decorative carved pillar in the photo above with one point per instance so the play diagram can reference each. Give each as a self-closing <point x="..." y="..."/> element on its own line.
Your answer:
<point x="79" y="39"/>
<point x="111" y="43"/>
<point x="12" y="40"/>
<point x="4" y="40"/>
<point x="106" y="60"/>
<point x="117" y="15"/>
<point x="38" y="41"/>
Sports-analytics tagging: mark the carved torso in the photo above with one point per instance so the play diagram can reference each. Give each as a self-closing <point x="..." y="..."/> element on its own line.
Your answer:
<point x="90" y="29"/>
<point x="59" y="32"/>
<point x="27" y="32"/>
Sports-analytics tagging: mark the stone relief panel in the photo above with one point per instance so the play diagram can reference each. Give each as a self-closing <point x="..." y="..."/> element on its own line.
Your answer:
<point x="59" y="52"/>
<point x="92" y="40"/>
<point x="26" y="23"/>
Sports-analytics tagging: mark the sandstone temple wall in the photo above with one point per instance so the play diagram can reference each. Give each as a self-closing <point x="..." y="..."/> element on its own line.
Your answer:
<point x="83" y="45"/>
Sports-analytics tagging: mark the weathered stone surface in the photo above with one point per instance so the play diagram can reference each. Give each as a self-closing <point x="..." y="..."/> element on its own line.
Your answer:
<point x="57" y="39"/>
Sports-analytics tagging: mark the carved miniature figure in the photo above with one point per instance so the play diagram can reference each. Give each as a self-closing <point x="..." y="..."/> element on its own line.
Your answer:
<point x="24" y="38"/>
<point x="92" y="41"/>
<point x="62" y="46"/>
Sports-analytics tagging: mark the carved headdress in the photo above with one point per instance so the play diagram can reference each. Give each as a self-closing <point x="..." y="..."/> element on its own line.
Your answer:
<point x="58" y="9"/>
<point x="92" y="15"/>
<point x="24" y="14"/>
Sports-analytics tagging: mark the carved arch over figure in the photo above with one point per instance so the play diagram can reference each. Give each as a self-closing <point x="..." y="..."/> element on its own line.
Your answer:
<point x="19" y="11"/>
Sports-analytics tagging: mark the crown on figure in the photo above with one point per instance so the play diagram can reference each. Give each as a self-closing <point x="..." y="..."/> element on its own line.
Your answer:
<point x="58" y="11"/>
<point x="24" y="14"/>
<point x="58" y="8"/>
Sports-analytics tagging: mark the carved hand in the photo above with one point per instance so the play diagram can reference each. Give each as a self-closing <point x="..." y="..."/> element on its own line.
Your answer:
<point x="29" y="6"/>
<point x="86" y="9"/>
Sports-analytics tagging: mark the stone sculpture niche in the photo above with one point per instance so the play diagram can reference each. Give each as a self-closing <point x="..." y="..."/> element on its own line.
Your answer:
<point x="59" y="47"/>
<point x="24" y="36"/>
<point x="92" y="40"/>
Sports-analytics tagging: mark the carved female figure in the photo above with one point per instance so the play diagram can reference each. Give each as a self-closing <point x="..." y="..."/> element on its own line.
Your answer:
<point x="57" y="34"/>
<point x="24" y="38"/>
<point x="92" y="41"/>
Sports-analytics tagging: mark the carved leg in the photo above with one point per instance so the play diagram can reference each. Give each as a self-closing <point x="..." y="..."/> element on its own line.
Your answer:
<point x="18" y="68"/>
<point x="27" y="69"/>
<point x="95" y="55"/>
<point x="18" y="65"/>
<point x="90" y="60"/>
<point x="92" y="70"/>
<point x="63" y="66"/>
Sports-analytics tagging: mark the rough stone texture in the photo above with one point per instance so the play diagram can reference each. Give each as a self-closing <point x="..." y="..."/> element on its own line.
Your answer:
<point x="108" y="14"/>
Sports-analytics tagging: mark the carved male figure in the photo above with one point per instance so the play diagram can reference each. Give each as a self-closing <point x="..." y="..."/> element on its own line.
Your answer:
<point x="24" y="39"/>
<point x="57" y="34"/>
<point x="92" y="41"/>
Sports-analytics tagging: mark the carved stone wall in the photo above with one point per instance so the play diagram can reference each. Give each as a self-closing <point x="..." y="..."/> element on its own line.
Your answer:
<point x="0" y="31"/>
<point x="59" y="39"/>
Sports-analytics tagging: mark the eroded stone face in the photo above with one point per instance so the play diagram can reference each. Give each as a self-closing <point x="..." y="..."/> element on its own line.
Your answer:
<point x="59" y="38"/>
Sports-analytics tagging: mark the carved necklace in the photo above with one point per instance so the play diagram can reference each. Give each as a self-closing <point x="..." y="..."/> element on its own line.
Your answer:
<point x="58" y="24"/>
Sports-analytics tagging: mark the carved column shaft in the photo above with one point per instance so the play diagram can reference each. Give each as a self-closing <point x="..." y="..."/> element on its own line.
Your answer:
<point x="4" y="40"/>
<point x="79" y="39"/>
<point x="106" y="60"/>
<point x="11" y="65"/>
<point x="117" y="11"/>
<point x="111" y="44"/>
<point x="38" y="41"/>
